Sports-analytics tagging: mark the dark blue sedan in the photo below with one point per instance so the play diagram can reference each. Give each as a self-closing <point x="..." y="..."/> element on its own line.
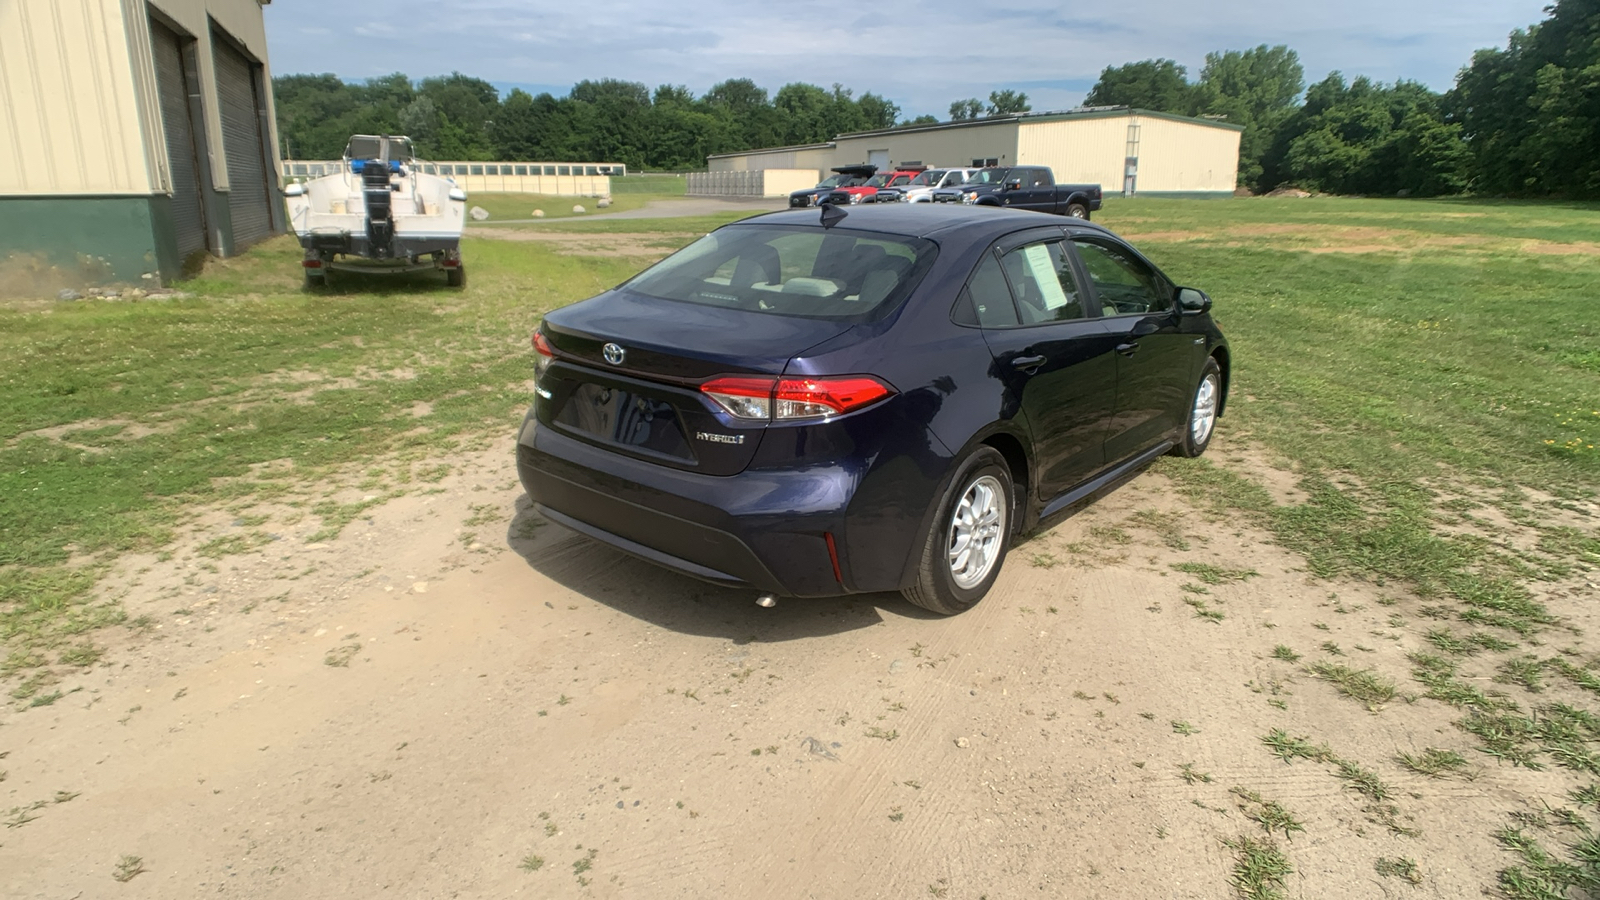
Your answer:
<point x="881" y="401"/>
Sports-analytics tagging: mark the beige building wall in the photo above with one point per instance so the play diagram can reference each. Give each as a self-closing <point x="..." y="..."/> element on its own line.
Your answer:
<point x="243" y="21"/>
<point x="957" y="146"/>
<point x="1179" y="157"/>
<point x="1080" y="151"/>
<point x="817" y="158"/>
<point x="79" y="112"/>
<point x="70" y="113"/>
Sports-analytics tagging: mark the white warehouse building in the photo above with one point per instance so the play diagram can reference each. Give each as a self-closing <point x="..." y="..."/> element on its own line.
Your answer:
<point x="1125" y="151"/>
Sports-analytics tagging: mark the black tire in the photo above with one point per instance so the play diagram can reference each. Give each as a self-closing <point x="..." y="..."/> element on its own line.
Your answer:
<point x="1192" y="443"/>
<point x="1078" y="211"/>
<point x="936" y="588"/>
<point x="456" y="276"/>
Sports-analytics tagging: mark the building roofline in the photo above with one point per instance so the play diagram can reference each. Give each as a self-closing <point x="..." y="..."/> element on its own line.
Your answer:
<point x="826" y="145"/>
<point x="1094" y="112"/>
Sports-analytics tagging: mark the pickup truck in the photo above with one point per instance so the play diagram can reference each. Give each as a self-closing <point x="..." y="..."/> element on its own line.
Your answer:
<point x="844" y="176"/>
<point x="1023" y="187"/>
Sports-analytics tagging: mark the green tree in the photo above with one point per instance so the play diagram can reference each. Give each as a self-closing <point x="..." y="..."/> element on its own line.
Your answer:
<point x="1005" y="103"/>
<point x="1531" y="112"/>
<point x="1255" y="88"/>
<point x="964" y="110"/>
<point x="1157" y="84"/>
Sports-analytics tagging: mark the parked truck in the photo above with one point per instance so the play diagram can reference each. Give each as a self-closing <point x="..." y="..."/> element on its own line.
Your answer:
<point x="1023" y="187"/>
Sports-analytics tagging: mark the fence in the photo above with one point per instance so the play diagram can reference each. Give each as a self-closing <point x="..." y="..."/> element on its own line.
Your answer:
<point x="559" y="179"/>
<point x="752" y="183"/>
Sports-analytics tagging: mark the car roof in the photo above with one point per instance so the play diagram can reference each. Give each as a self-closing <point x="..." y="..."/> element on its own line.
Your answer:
<point x="915" y="220"/>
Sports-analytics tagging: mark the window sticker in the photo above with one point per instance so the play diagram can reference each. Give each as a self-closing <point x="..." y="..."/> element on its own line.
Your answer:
<point x="1044" y="274"/>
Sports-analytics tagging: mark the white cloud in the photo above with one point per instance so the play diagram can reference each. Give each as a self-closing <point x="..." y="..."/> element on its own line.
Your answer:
<point x="920" y="55"/>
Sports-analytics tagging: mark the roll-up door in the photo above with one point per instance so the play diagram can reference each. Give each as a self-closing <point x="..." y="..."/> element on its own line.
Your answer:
<point x="183" y="160"/>
<point x="250" y="194"/>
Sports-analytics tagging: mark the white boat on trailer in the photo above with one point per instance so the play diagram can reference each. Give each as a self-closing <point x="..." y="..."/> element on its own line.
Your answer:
<point x="379" y="213"/>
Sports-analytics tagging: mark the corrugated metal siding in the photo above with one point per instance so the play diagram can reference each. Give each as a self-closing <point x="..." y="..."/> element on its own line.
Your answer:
<point x="944" y="147"/>
<point x="804" y="158"/>
<point x="188" y="208"/>
<point x="1174" y="156"/>
<point x="1086" y="151"/>
<point x="69" y="117"/>
<point x="238" y="101"/>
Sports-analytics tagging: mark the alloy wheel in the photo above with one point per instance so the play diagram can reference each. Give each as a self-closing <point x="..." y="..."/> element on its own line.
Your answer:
<point x="976" y="529"/>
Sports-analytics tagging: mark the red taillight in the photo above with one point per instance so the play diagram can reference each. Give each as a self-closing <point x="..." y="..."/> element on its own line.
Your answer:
<point x="786" y="399"/>
<point x="311" y="263"/>
<point x="546" y="354"/>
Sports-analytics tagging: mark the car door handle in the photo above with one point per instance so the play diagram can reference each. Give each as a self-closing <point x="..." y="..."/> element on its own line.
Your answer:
<point x="1128" y="348"/>
<point x="1027" y="363"/>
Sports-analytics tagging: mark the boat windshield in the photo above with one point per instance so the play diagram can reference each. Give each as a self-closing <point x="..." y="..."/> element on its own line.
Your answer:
<point x="365" y="146"/>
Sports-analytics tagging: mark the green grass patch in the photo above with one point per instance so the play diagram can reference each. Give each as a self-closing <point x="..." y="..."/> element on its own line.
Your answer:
<point x="1365" y="686"/>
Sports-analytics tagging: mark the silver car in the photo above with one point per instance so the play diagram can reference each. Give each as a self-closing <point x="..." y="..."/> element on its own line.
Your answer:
<point x="921" y="188"/>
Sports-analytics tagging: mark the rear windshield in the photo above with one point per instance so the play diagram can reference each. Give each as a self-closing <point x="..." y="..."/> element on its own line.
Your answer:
<point x="811" y="272"/>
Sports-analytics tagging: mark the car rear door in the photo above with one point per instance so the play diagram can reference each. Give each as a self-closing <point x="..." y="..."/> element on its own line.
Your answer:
<point x="1156" y="361"/>
<point x="1056" y="359"/>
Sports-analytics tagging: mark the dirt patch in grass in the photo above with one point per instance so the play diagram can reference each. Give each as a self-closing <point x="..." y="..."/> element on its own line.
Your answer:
<point x="1550" y="248"/>
<point x="614" y="245"/>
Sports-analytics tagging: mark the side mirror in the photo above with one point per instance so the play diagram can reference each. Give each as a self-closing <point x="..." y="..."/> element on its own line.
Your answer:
<point x="1193" y="301"/>
<point x="294" y="190"/>
<point x="1014" y="184"/>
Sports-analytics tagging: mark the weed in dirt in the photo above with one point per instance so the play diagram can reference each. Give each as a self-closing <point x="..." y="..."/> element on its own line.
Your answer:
<point x="895" y="815"/>
<point x="1581" y="677"/>
<point x="1320" y="626"/>
<point x="1289" y="748"/>
<point x="880" y="734"/>
<point x="1259" y="868"/>
<point x="1434" y="763"/>
<point x="340" y="657"/>
<point x="1110" y="534"/>
<point x="1284" y="653"/>
<point x="1526" y="671"/>
<point x="1365" y="686"/>
<point x="1181" y="727"/>
<point x="1331" y="648"/>
<point x="64" y="796"/>
<point x="1167" y="526"/>
<point x="1588" y="795"/>
<point x="1192" y="588"/>
<point x="1398" y="867"/>
<point x="531" y="863"/>
<point x="1214" y="574"/>
<point x="1187" y="772"/>
<point x="1202" y="610"/>
<point x="1269" y="814"/>
<point x="1043" y="561"/>
<point x="1543" y="875"/>
<point x="127" y="867"/>
<point x="1361" y="780"/>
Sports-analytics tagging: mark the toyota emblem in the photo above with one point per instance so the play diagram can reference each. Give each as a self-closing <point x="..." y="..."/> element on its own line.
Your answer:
<point x="613" y="354"/>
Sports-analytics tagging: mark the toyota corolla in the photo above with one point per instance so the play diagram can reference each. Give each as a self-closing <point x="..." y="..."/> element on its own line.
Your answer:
<point x="878" y="400"/>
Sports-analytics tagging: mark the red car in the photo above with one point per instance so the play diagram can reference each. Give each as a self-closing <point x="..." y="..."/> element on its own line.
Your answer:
<point x="865" y="193"/>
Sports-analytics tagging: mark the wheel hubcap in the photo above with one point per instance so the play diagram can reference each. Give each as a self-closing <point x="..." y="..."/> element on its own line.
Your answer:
<point x="1205" y="410"/>
<point x="976" y="528"/>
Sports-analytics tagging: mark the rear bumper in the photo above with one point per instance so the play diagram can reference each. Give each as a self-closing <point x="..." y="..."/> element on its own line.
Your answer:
<point x="762" y="529"/>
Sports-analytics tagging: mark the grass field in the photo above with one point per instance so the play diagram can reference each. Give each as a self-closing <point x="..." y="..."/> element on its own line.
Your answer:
<point x="1411" y="361"/>
<point x="1426" y="375"/>
<point x="632" y="192"/>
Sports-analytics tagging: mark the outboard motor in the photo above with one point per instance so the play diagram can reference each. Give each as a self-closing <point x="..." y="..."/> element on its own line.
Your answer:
<point x="380" y="224"/>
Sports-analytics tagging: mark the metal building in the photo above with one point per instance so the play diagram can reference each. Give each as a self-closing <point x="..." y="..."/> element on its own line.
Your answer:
<point x="134" y="134"/>
<point x="1125" y="151"/>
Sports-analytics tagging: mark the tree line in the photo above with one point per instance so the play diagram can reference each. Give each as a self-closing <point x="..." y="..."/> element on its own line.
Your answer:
<point x="1522" y="120"/>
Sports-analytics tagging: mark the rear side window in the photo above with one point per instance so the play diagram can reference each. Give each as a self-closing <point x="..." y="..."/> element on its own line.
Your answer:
<point x="811" y="272"/>
<point x="1042" y="281"/>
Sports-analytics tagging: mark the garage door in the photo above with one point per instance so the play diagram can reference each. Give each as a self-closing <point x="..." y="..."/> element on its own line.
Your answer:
<point x="250" y="192"/>
<point x="183" y="160"/>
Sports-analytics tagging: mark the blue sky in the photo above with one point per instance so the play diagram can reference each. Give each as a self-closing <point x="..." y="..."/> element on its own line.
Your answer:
<point x="920" y="55"/>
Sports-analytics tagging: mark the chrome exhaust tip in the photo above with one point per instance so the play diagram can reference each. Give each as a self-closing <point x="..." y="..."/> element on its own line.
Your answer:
<point x="766" y="601"/>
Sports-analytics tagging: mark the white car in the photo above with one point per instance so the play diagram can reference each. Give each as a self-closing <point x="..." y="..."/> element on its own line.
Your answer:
<point x="921" y="188"/>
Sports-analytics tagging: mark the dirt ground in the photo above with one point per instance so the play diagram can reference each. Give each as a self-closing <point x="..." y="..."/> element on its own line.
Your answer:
<point x="432" y="706"/>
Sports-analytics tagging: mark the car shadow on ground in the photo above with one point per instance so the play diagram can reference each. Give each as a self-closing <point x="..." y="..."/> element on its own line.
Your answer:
<point x="678" y="603"/>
